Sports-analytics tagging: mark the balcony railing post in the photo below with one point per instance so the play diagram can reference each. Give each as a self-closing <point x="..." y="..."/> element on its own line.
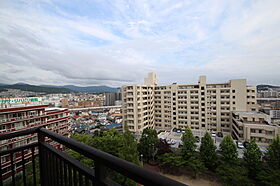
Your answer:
<point x="42" y="160"/>
<point x="99" y="173"/>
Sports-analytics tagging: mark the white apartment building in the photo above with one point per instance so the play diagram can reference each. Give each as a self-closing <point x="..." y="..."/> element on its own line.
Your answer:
<point x="202" y="106"/>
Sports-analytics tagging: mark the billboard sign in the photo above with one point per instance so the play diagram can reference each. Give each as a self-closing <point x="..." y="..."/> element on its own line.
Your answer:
<point x="19" y="100"/>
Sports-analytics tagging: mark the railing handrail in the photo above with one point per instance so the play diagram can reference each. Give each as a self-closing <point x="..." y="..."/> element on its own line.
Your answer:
<point x="17" y="149"/>
<point x="129" y="169"/>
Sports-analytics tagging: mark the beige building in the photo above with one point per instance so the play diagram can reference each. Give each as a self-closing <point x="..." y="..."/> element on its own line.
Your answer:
<point x="253" y="125"/>
<point x="202" y="106"/>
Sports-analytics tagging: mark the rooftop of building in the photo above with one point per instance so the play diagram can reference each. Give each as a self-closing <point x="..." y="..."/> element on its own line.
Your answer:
<point x="249" y="112"/>
<point x="49" y="109"/>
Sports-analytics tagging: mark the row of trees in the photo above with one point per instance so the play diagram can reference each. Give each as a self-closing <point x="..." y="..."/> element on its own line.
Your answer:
<point x="254" y="168"/>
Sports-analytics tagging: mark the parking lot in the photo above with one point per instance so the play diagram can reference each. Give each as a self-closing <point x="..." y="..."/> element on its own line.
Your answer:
<point x="174" y="139"/>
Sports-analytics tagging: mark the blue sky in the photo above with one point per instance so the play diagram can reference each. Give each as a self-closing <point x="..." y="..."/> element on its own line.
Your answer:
<point x="97" y="42"/>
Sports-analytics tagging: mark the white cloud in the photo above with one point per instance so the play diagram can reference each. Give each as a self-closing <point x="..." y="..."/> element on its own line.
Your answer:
<point x="118" y="43"/>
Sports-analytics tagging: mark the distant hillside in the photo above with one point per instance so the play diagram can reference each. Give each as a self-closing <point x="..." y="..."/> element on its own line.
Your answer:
<point x="89" y="89"/>
<point x="33" y="88"/>
<point x="266" y="87"/>
<point x="2" y="89"/>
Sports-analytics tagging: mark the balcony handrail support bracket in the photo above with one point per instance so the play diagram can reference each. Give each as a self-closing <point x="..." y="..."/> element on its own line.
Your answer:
<point x="42" y="161"/>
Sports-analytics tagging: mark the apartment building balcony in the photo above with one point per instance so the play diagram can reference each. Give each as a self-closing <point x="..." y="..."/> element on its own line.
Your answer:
<point x="130" y="112"/>
<point x="194" y="104"/>
<point x="129" y="90"/>
<point x="129" y="95"/>
<point x="262" y="135"/>
<point x="130" y="101"/>
<point x="22" y="118"/>
<point x="58" y="168"/>
<point x="225" y="98"/>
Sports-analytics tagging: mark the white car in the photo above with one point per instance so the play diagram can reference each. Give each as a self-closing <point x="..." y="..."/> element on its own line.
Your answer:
<point x="240" y="145"/>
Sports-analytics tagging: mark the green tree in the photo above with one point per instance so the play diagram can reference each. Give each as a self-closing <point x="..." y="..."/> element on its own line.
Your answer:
<point x="148" y="143"/>
<point x="233" y="174"/>
<point x="86" y="139"/>
<point x="252" y="157"/>
<point x="109" y="141"/>
<point x="208" y="152"/>
<point x="195" y="165"/>
<point x="128" y="151"/>
<point x="189" y="146"/>
<point x="172" y="160"/>
<point x="82" y="138"/>
<point x="269" y="175"/>
<point x="228" y="149"/>
<point x="273" y="153"/>
<point x="122" y="145"/>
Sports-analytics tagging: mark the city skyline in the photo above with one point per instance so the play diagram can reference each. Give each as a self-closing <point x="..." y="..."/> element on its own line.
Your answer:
<point x="118" y="43"/>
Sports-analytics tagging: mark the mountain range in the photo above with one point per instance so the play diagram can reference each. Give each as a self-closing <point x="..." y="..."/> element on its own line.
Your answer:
<point x="57" y="89"/>
<point x="72" y="88"/>
<point x="89" y="89"/>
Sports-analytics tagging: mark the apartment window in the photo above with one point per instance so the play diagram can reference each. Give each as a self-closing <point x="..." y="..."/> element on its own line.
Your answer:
<point x="233" y="102"/>
<point x="233" y="91"/>
<point x="2" y="127"/>
<point x="269" y="132"/>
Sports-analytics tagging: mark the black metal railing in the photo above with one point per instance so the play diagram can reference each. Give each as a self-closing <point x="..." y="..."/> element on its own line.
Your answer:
<point x="58" y="168"/>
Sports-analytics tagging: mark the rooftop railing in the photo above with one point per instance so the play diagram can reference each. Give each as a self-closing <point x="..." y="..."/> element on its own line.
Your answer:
<point x="56" y="167"/>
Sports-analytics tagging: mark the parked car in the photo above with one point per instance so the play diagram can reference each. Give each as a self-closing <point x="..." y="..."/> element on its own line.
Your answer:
<point x="240" y="145"/>
<point x="245" y="144"/>
<point x="197" y="139"/>
<point x="220" y="134"/>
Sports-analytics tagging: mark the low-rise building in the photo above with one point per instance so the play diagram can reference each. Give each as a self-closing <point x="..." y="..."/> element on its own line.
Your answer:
<point x="253" y="125"/>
